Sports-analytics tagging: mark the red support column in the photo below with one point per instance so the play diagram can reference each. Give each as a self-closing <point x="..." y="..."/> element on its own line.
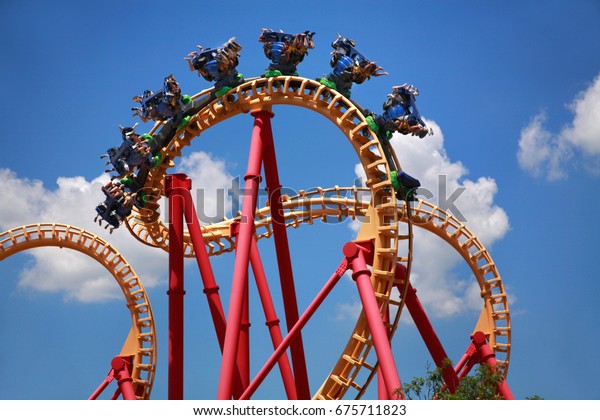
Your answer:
<point x="479" y="351"/>
<point x="272" y="321"/>
<point x="486" y="355"/>
<point x="243" y="356"/>
<point x="211" y="289"/>
<point x="121" y="367"/>
<point x="304" y="318"/>
<point x="362" y="276"/>
<point x="433" y="343"/>
<point x="240" y="269"/>
<point x="467" y="361"/>
<point x="284" y="260"/>
<point x="382" y="391"/>
<point x="175" y="187"/>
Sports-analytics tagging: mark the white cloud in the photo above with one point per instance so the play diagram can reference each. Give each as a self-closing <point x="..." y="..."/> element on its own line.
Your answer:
<point x="347" y="310"/>
<point x="542" y="153"/>
<point x="584" y="132"/>
<point x="74" y="275"/>
<point x="445" y="183"/>
<point x="547" y="154"/>
<point x="210" y="185"/>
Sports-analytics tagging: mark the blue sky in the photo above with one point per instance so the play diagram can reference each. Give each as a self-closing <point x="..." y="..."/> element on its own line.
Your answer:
<point x="512" y="90"/>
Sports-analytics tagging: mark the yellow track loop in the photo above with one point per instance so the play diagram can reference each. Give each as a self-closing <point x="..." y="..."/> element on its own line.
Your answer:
<point x="143" y="347"/>
<point x="263" y="94"/>
<point x="495" y="319"/>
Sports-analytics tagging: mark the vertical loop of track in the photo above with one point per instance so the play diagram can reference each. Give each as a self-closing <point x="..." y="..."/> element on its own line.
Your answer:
<point x="145" y="224"/>
<point x="66" y="236"/>
<point x="264" y="93"/>
<point x="389" y="217"/>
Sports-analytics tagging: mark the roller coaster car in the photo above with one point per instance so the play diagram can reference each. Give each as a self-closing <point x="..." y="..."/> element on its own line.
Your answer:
<point x="165" y="104"/>
<point x="132" y="154"/>
<point x="218" y="65"/>
<point x="405" y="185"/>
<point x="285" y="51"/>
<point x="349" y="66"/>
<point x="400" y="113"/>
<point x="116" y="207"/>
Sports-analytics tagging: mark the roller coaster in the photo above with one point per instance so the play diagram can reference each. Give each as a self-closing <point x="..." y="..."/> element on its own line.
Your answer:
<point x="379" y="259"/>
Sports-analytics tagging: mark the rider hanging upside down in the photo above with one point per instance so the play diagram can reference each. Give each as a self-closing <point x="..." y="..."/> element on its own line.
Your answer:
<point x="349" y="66"/>
<point x="133" y="153"/>
<point x="285" y="51"/>
<point x="400" y="113"/>
<point x="218" y="65"/>
<point x="163" y="105"/>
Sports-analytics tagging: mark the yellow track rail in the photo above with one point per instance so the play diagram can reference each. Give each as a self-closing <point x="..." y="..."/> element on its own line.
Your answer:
<point x="141" y="343"/>
<point x="391" y="226"/>
<point x="263" y="94"/>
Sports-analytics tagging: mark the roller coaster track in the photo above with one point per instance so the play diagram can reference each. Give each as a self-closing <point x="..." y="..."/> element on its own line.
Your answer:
<point x="390" y="229"/>
<point x="262" y="94"/>
<point x="307" y="207"/>
<point x="141" y="343"/>
<point x="387" y="215"/>
<point x="257" y="94"/>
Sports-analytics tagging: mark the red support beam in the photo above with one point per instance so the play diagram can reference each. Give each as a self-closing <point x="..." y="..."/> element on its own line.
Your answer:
<point x="284" y="260"/>
<point x="479" y="351"/>
<point x="362" y="275"/>
<point x="243" y="352"/>
<point x="120" y="369"/>
<point x="175" y="187"/>
<point x="211" y="289"/>
<point x="382" y="391"/>
<point x="466" y="362"/>
<point x="292" y="334"/>
<point x="487" y="356"/>
<point x="109" y="378"/>
<point x="240" y="269"/>
<point x="243" y="356"/>
<point x="272" y="321"/>
<point x="430" y="338"/>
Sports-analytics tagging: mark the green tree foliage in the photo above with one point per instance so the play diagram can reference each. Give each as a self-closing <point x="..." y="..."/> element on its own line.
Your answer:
<point x="481" y="385"/>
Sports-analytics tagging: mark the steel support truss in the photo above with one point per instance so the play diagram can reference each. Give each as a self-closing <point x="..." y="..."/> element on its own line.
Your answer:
<point x="233" y="330"/>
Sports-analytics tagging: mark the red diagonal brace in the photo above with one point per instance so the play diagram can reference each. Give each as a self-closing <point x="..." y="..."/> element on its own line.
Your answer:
<point x="293" y="333"/>
<point x="120" y="369"/>
<point x="425" y="328"/>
